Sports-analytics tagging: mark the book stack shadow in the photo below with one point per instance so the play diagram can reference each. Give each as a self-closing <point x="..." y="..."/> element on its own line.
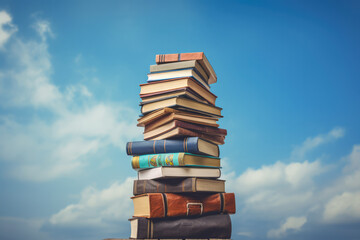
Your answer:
<point x="178" y="193"/>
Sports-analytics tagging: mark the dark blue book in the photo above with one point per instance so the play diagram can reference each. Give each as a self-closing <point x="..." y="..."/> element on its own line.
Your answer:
<point x="193" y="145"/>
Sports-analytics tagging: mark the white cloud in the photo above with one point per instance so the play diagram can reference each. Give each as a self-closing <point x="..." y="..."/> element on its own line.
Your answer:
<point x="98" y="208"/>
<point x="7" y="28"/>
<point x="343" y="208"/>
<point x="43" y="28"/>
<point x="313" y="142"/>
<point x="291" y="223"/>
<point x="298" y="188"/>
<point x="27" y="83"/>
<point x="64" y="128"/>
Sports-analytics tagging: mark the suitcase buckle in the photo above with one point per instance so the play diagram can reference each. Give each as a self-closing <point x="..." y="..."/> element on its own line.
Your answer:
<point x="194" y="204"/>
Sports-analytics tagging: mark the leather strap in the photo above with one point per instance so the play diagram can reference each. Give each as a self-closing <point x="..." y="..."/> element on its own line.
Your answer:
<point x="222" y="203"/>
<point x="165" y="204"/>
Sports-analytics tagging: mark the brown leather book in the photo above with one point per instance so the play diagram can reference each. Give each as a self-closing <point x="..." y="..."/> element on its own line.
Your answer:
<point x="203" y="227"/>
<point x="179" y="132"/>
<point x="152" y="132"/>
<point x="161" y="205"/>
<point x="165" y="115"/>
<point x="200" y="56"/>
<point x="178" y="185"/>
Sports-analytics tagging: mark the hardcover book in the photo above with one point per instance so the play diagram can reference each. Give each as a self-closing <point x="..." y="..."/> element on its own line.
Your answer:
<point x="182" y="132"/>
<point x="189" y="144"/>
<point x="178" y="172"/>
<point x="177" y="57"/>
<point x="181" y="185"/>
<point x="181" y="65"/>
<point x="160" y="117"/>
<point x="210" y="226"/>
<point x="152" y="132"/>
<point x="175" y="74"/>
<point x="162" y="205"/>
<point x="174" y="159"/>
<point x="183" y="103"/>
<point x="186" y="92"/>
<point x="176" y="84"/>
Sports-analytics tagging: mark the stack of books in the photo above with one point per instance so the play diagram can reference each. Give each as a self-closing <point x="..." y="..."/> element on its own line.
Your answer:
<point x="178" y="194"/>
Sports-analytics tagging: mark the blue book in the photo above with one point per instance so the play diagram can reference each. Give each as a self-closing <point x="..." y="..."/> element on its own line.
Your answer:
<point x="174" y="160"/>
<point x="193" y="145"/>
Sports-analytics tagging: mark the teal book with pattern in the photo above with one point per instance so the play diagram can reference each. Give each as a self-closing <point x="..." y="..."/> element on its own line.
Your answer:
<point x="174" y="159"/>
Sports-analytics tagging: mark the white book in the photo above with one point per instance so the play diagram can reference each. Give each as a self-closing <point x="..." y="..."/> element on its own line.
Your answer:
<point x="182" y="73"/>
<point x="178" y="172"/>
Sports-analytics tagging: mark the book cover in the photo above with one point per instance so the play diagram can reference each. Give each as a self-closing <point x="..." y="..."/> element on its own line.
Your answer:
<point x="211" y="226"/>
<point x="162" y="205"/>
<point x="178" y="185"/>
<point x="179" y="73"/>
<point x="148" y="131"/>
<point x="178" y="172"/>
<point x="174" y="159"/>
<point x="177" y="57"/>
<point x="182" y="132"/>
<point x="188" y="144"/>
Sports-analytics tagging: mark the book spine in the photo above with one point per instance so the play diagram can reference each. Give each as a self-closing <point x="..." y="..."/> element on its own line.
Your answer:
<point x="176" y="57"/>
<point x="158" y="160"/>
<point x="163" y="146"/>
<point x="204" y="227"/>
<point x="168" y="186"/>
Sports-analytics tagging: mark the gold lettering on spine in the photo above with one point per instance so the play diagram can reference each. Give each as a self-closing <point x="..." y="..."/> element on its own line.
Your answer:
<point x="181" y="157"/>
<point x="194" y="184"/>
<point x="164" y="146"/>
<point x="154" y="149"/>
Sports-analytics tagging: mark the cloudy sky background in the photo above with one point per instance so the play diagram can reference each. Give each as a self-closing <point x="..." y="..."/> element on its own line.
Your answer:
<point x="288" y="82"/>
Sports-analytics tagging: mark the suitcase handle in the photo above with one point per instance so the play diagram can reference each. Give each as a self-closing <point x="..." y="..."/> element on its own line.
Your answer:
<point x="194" y="204"/>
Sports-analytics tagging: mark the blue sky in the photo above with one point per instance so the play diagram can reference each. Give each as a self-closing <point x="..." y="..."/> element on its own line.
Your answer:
<point x="288" y="82"/>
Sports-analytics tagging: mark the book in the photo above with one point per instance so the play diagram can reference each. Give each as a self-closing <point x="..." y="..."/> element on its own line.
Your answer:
<point x="194" y="145"/>
<point x="174" y="159"/>
<point x="178" y="172"/>
<point x="175" y="74"/>
<point x="182" y="132"/>
<point x="209" y="226"/>
<point x="200" y="56"/>
<point x="182" y="103"/>
<point x="159" y="117"/>
<point x="176" y="84"/>
<point x="178" y="185"/>
<point x="181" y="65"/>
<point x="162" y="205"/>
<point x="186" y="92"/>
<point x="152" y="132"/>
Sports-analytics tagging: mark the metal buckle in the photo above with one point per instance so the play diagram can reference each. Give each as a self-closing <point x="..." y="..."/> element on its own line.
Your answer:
<point x="188" y="209"/>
